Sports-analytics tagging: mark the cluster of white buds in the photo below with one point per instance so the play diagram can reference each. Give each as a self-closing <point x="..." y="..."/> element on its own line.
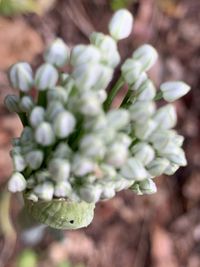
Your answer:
<point x="73" y="144"/>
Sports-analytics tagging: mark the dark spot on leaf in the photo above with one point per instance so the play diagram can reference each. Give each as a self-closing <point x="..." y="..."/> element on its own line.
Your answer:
<point x="72" y="221"/>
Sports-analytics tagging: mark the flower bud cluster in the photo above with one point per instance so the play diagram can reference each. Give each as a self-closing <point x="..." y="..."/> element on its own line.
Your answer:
<point x="71" y="146"/>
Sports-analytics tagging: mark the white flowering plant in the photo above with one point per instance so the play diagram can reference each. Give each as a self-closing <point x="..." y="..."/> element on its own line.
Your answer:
<point x="75" y="150"/>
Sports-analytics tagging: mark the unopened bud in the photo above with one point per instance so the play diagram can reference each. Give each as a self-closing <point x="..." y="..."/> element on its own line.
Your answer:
<point x="166" y="117"/>
<point x="146" y="186"/>
<point x="26" y="103"/>
<point x="12" y="103"/>
<point x="143" y="152"/>
<point x="64" y="124"/>
<point x="59" y="169"/>
<point x="57" y="53"/>
<point x="146" y="55"/>
<point x="21" y="76"/>
<point x="147" y="91"/>
<point x="17" y="183"/>
<point x="142" y="110"/>
<point x="44" y="191"/>
<point x="118" y="118"/>
<point x="34" y="159"/>
<point x="46" y="77"/>
<point x="144" y="129"/>
<point x="117" y="155"/>
<point x="92" y="146"/>
<point x="82" y="166"/>
<point x="133" y="169"/>
<point x="82" y="54"/>
<point x="90" y="194"/>
<point x="131" y="70"/>
<point x="62" y="189"/>
<point x="19" y="162"/>
<point x="44" y="134"/>
<point x="174" y="90"/>
<point x="121" y="24"/>
<point x="157" y="166"/>
<point x="89" y="104"/>
<point x="36" y="116"/>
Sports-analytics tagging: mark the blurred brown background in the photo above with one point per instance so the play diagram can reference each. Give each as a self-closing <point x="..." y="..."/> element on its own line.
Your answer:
<point x="162" y="230"/>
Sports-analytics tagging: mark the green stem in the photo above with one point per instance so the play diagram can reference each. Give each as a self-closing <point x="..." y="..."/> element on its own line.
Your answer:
<point x="23" y="118"/>
<point x="126" y="98"/>
<point x="113" y="93"/>
<point x="42" y="99"/>
<point x="158" y="96"/>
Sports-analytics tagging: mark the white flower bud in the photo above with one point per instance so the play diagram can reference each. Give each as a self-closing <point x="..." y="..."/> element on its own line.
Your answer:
<point x="118" y="118"/>
<point x="174" y="90"/>
<point x="142" y="110"/>
<point x="108" y="47"/>
<point x="46" y="77"/>
<point x="166" y="117"/>
<point x="107" y="134"/>
<point x="146" y="55"/>
<point x="146" y="186"/>
<point x="171" y="169"/>
<point x="139" y="82"/>
<point x="64" y="124"/>
<point x="62" y="189"/>
<point x="143" y="152"/>
<point x="57" y="53"/>
<point x="161" y="138"/>
<point x="86" y="75"/>
<point x="101" y="95"/>
<point x="21" y="76"/>
<point x="89" y="104"/>
<point x="42" y="176"/>
<point x="59" y="169"/>
<point x="133" y="169"/>
<point x="62" y="151"/>
<point x="157" y="166"/>
<point x="18" y="162"/>
<point x="131" y="70"/>
<point x="174" y="154"/>
<point x="58" y="94"/>
<point x="12" y="103"/>
<point x="107" y="193"/>
<point x="53" y="109"/>
<point x="144" y="129"/>
<point x="26" y="103"/>
<point x="123" y="139"/>
<point x="37" y="116"/>
<point x="33" y="197"/>
<point x="44" y="191"/>
<point x="121" y="24"/>
<point x="34" y="159"/>
<point x="104" y="76"/>
<point x="82" y="54"/>
<point x="30" y="182"/>
<point x="147" y="91"/>
<point x="121" y="183"/>
<point x="17" y="183"/>
<point x="44" y="134"/>
<point x="116" y="155"/>
<point x="92" y="146"/>
<point x="82" y="166"/>
<point x="108" y="171"/>
<point x="90" y="193"/>
<point x="26" y="136"/>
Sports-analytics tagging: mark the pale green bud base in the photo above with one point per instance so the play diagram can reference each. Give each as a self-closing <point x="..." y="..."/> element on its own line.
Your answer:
<point x="61" y="213"/>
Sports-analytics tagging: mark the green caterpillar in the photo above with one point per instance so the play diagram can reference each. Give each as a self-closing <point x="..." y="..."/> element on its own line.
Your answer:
<point x="61" y="213"/>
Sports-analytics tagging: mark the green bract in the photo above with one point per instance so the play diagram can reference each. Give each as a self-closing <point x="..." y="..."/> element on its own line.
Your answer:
<point x="75" y="149"/>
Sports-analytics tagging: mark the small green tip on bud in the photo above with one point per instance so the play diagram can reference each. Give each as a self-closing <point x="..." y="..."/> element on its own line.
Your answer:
<point x="46" y="77"/>
<point x="17" y="183"/>
<point x="21" y="76"/>
<point x="12" y="103"/>
<point x="121" y="24"/>
<point x="146" y="186"/>
<point x="146" y="55"/>
<point x="57" y="53"/>
<point x="172" y="91"/>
